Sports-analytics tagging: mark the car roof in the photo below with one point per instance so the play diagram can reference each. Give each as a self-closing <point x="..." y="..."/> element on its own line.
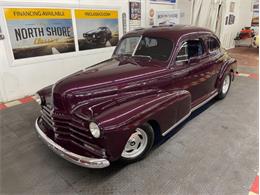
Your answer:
<point x="172" y="32"/>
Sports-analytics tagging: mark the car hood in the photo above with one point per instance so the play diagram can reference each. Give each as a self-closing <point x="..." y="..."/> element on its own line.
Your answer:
<point x="102" y="80"/>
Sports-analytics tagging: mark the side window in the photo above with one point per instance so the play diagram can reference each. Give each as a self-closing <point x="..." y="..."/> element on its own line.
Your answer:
<point x="195" y="48"/>
<point x="213" y="44"/>
<point x="190" y="49"/>
<point x="183" y="53"/>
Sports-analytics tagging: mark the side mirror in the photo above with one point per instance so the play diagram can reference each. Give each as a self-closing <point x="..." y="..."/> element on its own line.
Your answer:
<point x="194" y="60"/>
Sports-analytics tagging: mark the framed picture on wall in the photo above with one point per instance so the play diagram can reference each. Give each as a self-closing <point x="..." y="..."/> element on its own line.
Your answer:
<point x="231" y="19"/>
<point x="232" y="7"/>
<point x="134" y="14"/>
<point x="255" y="9"/>
<point x="255" y="5"/>
<point x="170" y="17"/>
<point x="226" y="20"/>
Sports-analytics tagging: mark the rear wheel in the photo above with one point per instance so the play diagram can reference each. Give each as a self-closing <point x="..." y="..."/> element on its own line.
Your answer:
<point x="225" y="86"/>
<point x="138" y="144"/>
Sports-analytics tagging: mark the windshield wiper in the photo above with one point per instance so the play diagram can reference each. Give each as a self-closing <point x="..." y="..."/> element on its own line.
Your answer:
<point x="143" y="56"/>
<point x="121" y="55"/>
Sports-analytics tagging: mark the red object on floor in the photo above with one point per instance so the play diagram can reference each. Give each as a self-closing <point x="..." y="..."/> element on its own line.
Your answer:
<point x="246" y="32"/>
<point x="2" y="106"/>
<point x="255" y="185"/>
<point x="26" y="100"/>
<point x="254" y="76"/>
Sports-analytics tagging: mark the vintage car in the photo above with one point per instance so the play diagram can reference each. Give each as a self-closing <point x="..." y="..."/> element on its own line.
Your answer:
<point x="98" y="36"/>
<point x="117" y="108"/>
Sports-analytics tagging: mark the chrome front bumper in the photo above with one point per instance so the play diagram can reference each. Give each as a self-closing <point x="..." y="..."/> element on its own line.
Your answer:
<point x="70" y="156"/>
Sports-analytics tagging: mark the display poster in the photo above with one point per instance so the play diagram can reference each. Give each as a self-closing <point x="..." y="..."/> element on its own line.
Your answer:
<point x="38" y="32"/>
<point x="163" y="1"/>
<point x="134" y="14"/>
<point x="171" y="17"/>
<point x="97" y="28"/>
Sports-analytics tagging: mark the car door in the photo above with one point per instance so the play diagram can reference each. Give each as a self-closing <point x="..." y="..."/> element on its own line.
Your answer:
<point x="215" y="55"/>
<point x="192" y="58"/>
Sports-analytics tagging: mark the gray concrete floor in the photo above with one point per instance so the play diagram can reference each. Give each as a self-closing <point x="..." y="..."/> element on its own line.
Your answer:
<point x="214" y="152"/>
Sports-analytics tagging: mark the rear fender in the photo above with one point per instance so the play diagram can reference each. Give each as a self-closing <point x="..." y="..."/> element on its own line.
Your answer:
<point x="229" y="66"/>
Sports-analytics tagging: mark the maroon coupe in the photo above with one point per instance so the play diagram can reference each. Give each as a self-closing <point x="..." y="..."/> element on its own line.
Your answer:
<point x="115" y="109"/>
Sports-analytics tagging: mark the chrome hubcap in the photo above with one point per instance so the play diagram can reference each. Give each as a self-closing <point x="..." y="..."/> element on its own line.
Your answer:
<point x="136" y="144"/>
<point x="226" y="84"/>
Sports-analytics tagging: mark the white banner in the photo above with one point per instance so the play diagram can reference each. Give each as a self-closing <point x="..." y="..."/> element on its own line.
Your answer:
<point x="167" y="17"/>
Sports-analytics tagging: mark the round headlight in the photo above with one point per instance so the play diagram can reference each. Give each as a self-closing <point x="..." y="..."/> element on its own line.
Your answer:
<point x="94" y="129"/>
<point x="37" y="98"/>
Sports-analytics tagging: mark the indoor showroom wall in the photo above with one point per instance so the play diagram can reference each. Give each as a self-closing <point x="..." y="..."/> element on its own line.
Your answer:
<point x="23" y="77"/>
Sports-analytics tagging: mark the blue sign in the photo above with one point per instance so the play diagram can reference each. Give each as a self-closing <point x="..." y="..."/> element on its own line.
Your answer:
<point x="163" y="1"/>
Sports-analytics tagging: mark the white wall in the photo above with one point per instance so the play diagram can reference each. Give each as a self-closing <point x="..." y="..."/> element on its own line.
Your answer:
<point x="19" y="78"/>
<point x="243" y="12"/>
<point x="185" y="9"/>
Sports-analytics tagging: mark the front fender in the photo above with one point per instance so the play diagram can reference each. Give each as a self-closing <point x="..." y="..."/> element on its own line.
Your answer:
<point x="119" y="122"/>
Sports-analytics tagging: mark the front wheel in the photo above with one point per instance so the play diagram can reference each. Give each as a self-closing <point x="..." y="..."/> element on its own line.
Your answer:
<point x="138" y="144"/>
<point x="102" y="42"/>
<point x="225" y="87"/>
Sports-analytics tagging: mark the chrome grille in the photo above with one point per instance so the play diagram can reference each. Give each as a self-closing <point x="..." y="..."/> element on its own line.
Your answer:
<point x="71" y="128"/>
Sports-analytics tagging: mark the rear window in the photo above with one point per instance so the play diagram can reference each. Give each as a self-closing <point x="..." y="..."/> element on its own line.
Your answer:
<point x="213" y="44"/>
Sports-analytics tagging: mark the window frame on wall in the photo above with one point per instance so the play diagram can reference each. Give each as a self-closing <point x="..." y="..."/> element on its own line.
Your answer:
<point x="12" y="62"/>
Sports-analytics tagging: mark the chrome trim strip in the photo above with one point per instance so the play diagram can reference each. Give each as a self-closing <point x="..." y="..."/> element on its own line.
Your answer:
<point x="186" y="116"/>
<point x="176" y="124"/>
<point x="137" y="45"/>
<point x="70" y="156"/>
<point x="205" y="101"/>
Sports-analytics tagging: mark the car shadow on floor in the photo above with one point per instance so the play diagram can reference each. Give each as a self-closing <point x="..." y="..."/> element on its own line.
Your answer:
<point x="193" y="115"/>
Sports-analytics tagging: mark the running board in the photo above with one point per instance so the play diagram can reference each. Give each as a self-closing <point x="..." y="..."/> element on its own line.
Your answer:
<point x="186" y="116"/>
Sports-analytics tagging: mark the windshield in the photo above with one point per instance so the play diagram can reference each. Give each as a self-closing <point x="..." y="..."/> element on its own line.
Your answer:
<point x="154" y="48"/>
<point x="127" y="46"/>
